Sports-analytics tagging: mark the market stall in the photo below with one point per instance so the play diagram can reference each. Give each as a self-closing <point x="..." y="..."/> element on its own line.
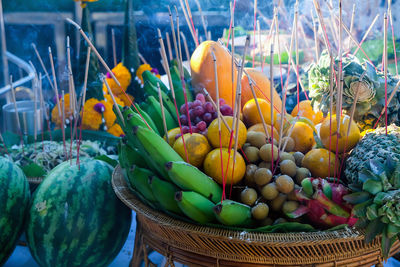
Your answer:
<point x="276" y="142"/>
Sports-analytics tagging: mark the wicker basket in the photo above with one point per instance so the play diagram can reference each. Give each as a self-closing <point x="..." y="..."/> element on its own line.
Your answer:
<point x="206" y="246"/>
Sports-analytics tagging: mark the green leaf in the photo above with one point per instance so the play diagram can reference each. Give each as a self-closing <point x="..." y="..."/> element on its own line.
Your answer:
<point x="360" y="210"/>
<point x="357" y="198"/>
<point x="390" y="165"/>
<point x="366" y="174"/>
<point x="376" y="166"/>
<point x="386" y="244"/>
<point x="372" y="186"/>
<point x="107" y="159"/>
<point x="362" y="223"/>
<point x="33" y="170"/>
<point x="372" y="212"/>
<point x="373" y="229"/>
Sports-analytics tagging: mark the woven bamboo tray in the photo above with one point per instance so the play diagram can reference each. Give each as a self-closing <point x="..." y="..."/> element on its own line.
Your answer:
<point x="197" y="245"/>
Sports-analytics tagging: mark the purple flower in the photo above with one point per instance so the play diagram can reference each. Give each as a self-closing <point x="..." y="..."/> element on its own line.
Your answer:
<point x="155" y="71"/>
<point x="55" y="99"/>
<point x="99" y="107"/>
<point x="109" y="75"/>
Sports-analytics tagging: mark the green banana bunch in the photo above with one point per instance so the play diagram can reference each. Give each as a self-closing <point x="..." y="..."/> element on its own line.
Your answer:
<point x="169" y="105"/>
<point x="195" y="206"/>
<point x="128" y="156"/>
<point x="188" y="177"/>
<point x="178" y="88"/>
<point x="139" y="180"/>
<point x="233" y="213"/>
<point x="186" y="73"/>
<point x="156" y="147"/>
<point x="132" y="118"/>
<point x="153" y="80"/>
<point x="153" y="108"/>
<point x="164" y="192"/>
<point x="147" y="118"/>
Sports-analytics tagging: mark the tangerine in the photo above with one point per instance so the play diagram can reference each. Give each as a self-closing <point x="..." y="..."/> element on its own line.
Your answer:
<point x="304" y="109"/>
<point x="251" y="114"/>
<point x="303" y="137"/>
<point x="213" y="133"/>
<point x="319" y="163"/>
<point x="197" y="147"/>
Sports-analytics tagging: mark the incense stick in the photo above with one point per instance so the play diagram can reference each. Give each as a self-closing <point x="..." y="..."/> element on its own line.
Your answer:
<point x="62" y="123"/>
<point x="35" y="110"/>
<point x="185" y="45"/>
<point x="41" y="107"/>
<point x="203" y="21"/>
<point x="42" y="64"/>
<point x="104" y="80"/>
<point x="353" y="13"/>
<point x="14" y="100"/>
<point x="271" y="72"/>
<point x="173" y="32"/>
<point x="296" y="37"/>
<point x="169" y="46"/>
<point x="254" y="30"/>
<point x="366" y="33"/>
<point x="385" y="20"/>
<point x="393" y="37"/>
<point x="189" y="12"/>
<point x="316" y="44"/>
<point x="142" y="58"/>
<point x="4" y="46"/>
<point x="233" y="52"/>
<point x="331" y="82"/>
<point x="162" y="112"/>
<point x="55" y="81"/>
<point x="188" y="23"/>
<point x="279" y="45"/>
<point x="114" y="47"/>
<point x="259" y="40"/>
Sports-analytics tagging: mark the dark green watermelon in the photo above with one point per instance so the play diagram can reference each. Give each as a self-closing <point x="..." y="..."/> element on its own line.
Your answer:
<point x="14" y="204"/>
<point x="75" y="218"/>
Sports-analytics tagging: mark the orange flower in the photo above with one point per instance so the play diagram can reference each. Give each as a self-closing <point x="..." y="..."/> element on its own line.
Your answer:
<point x="83" y="2"/>
<point x="125" y="99"/>
<point x="116" y="130"/>
<point x="92" y="119"/>
<point x="142" y="68"/>
<point x="108" y="113"/>
<point x="119" y="101"/>
<point x="123" y="76"/>
<point x="55" y="117"/>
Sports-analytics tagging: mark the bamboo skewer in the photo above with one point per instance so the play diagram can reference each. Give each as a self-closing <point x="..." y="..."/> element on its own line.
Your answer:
<point x="142" y="58"/>
<point x="169" y="46"/>
<point x="35" y="110"/>
<point x="162" y="112"/>
<point x="42" y="64"/>
<point x="316" y="43"/>
<point x="254" y="31"/>
<point x="185" y="45"/>
<point x="188" y="23"/>
<point x="55" y="82"/>
<point x="43" y="113"/>
<point x="271" y="72"/>
<point x="104" y="80"/>
<point x="114" y="47"/>
<point x="353" y="13"/>
<point x="331" y="82"/>
<point x="366" y="33"/>
<point x="393" y="37"/>
<point x="173" y="31"/>
<point x="322" y="23"/>
<point x="203" y="21"/>
<point x="63" y="123"/>
<point x="14" y="100"/>
<point x="260" y="49"/>
<point x="189" y="12"/>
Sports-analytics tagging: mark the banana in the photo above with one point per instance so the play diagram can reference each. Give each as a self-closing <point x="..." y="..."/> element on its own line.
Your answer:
<point x="164" y="192"/>
<point x="154" y="108"/>
<point x="233" y="213"/>
<point x="139" y="179"/>
<point x="195" y="206"/>
<point x="132" y="118"/>
<point x="129" y="156"/>
<point x="188" y="177"/>
<point x="147" y="118"/>
<point x="151" y="78"/>
<point x="167" y="102"/>
<point x="156" y="147"/>
<point x="178" y="88"/>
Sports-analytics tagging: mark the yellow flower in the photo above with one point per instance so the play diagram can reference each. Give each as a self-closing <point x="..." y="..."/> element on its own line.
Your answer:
<point x="116" y="130"/>
<point x="55" y="117"/>
<point x="92" y="119"/>
<point x="108" y="113"/>
<point x="142" y="68"/>
<point x="119" y="101"/>
<point x="83" y="2"/>
<point x="123" y="76"/>
<point x="125" y="99"/>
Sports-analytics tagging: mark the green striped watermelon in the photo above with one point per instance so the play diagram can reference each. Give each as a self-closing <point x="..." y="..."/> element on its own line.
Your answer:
<point x="75" y="218"/>
<point x="14" y="204"/>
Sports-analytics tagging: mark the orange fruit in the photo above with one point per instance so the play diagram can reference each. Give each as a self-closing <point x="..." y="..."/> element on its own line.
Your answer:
<point x="202" y="71"/>
<point x="171" y="135"/>
<point x="303" y="137"/>
<point x="317" y="161"/>
<point x="344" y="142"/>
<point x="304" y="109"/>
<point x="197" y="147"/>
<point x="213" y="133"/>
<point x="286" y="122"/>
<point x="251" y="114"/>
<point x="261" y="85"/>
<point x="260" y="128"/>
<point x="212" y="166"/>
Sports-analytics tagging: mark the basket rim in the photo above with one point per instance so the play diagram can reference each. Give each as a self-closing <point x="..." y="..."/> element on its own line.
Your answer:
<point x="123" y="192"/>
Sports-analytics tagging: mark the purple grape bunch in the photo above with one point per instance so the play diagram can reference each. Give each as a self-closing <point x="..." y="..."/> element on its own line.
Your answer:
<point x="201" y="113"/>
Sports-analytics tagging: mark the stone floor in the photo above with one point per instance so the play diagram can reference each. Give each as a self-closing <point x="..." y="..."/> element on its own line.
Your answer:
<point x="22" y="257"/>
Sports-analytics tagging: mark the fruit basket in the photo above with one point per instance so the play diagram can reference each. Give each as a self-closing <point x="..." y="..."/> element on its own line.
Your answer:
<point x="207" y="246"/>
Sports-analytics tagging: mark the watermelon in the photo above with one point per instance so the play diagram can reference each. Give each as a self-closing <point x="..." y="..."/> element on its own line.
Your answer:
<point x="75" y="218"/>
<point x="14" y="204"/>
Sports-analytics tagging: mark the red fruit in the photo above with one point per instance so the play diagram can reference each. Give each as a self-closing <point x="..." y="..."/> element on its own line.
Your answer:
<point x="183" y="119"/>
<point x="195" y="129"/>
<point x="208" y="106"/>
<point x="198" y="111"/>
<point x="201" y="125"/>
<point x="222" y="102"/>
<point x="300" y="211"/>
<point x="197" y="120"/>
<point x="177" y="136"/>
<point x="201" y="98"/>
<point x="197" y="103"/>
<point x="214" y="115"/>
<point x="192" y="114"/>
<point x="185" y="129"/>
<point x="207" y="117"/>
<point x="226" y="110"/>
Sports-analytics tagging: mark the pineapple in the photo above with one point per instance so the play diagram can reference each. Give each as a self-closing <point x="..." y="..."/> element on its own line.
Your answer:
<point x="374" y="145"/>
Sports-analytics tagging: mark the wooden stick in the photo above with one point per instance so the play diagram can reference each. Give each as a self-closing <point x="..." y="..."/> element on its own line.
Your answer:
<point x="6" y="72"/>
<point x="366" y="33"/>
<point x="179" y="55"/>
<point x="260" y="49"/>
<point x="258" y="107"/>
<point x="254" y="31"/>
<point x="233" y="54"/>
<point x="171" y="21"/>
<point x="189" y="12"/>
<point x="393" y="37"/>
<point x="14" y="100"/>
<point x="63" y="123"/>
<point x="322" y="23"/>
<point x="216" y="108"/>
<point x="142" y="58"/>
<point x="353" y="13"/>
<point x="316" y="43"/>
<point x="162" y="112"/>
<point x="104" y="80"/>
<point x="114" y="47"/>
<point x="331" y="83"/>
<point x="35" y="109"/>
<point x="42" y="64"/>
<point x="185" y="45"/>
<point x="188" y="22"/>
<point x="169" y="46"/>
<point x="385" y="70"/>
<point x="271" y="75"/>
<point x="296" y="16"/>
<point x="42" y="107"/>
<point x="203" y="21"/>
<point x="279" y="44"/>
<point x="53" y="70"/>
